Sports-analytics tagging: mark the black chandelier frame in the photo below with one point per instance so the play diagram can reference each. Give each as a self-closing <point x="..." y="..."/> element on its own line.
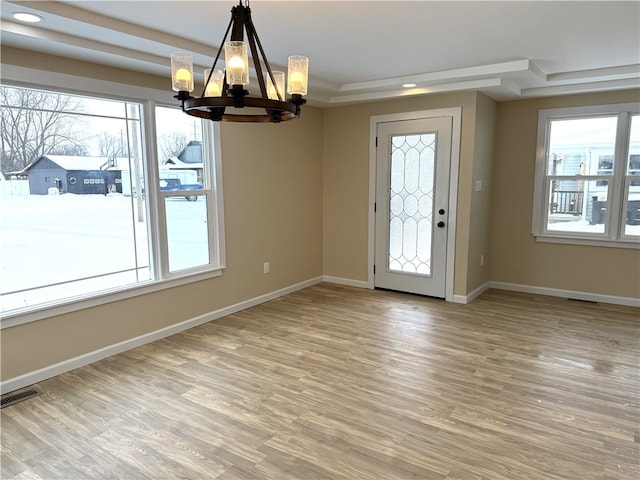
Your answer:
<point x="214" y="108"/>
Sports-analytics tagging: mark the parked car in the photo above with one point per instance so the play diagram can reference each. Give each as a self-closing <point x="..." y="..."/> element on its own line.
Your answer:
<point x="175" y="184"/>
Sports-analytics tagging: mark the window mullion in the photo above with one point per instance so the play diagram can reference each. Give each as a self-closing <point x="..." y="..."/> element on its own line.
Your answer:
<point x="616" y="189"/>
<point x="216" y="241"/>
<point x="625" y="206"/>
<point x="155" y="207"/>
<point x="540" y="192"/>
<point x="162" y="241"/>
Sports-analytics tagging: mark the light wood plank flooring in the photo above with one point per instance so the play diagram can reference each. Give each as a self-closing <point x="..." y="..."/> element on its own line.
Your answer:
<point x="334" y="382"/>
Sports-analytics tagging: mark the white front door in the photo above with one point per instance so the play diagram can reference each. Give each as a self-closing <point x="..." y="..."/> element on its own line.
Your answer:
<point x="413" y="159"/>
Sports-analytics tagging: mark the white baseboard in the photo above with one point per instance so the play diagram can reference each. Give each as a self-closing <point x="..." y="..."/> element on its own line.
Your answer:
<point x="464" y="299"/>
<point x="87" y="358"/>
<point x="345" y="281"/>
<point x="554" y="292"/>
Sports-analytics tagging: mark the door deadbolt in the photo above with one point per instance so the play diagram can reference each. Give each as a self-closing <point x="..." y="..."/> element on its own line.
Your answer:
<point x="440" y="224"/>
<point x="441" y="211"/>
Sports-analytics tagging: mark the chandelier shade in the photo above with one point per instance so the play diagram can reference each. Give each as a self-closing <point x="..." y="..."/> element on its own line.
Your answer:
<point x="225" y="96"/>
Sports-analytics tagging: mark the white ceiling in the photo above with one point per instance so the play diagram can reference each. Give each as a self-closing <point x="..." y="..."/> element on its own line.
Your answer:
<point x="363" y="50"/>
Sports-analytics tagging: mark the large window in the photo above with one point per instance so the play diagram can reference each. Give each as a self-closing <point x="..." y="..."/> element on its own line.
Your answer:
<point x="91" y="204"/>
<point x="587" y="187"/>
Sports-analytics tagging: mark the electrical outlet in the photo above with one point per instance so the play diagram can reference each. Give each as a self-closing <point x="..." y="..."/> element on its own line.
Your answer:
<point x="266" y="267"/>
<point x="481" y="259"/>
<point x="478" y="186"/>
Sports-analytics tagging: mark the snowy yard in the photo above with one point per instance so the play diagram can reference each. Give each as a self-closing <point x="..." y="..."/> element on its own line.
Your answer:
<point x="570" y="223"/>
<point x="54" y="239"/>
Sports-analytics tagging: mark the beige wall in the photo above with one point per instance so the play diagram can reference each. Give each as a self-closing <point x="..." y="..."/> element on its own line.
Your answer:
<point x="516" y="257"/>
<point x="346" y="182"/>
<point x="480" y="216"/>
<point x="273" y="209"/>
<point x="52" y="63"/>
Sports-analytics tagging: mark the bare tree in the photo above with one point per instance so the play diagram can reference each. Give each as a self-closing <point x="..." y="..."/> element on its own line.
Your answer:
<point x="34" y="123"/>
<point x="111" y="146"/>
<point x="171" y="144"/>
<point x="71" y="149"/>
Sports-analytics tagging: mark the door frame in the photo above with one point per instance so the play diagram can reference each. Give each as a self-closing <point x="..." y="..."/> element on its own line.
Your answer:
<point x="456" y="128"/>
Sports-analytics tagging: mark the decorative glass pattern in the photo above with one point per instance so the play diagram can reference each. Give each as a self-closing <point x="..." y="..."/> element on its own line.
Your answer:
<point x="411" y="203"/>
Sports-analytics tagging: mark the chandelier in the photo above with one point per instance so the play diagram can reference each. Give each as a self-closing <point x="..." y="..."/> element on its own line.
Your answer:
<point x="224" y="95"/>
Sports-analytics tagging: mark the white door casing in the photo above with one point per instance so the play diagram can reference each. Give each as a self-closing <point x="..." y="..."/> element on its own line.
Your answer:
<point x="413" y="181"/>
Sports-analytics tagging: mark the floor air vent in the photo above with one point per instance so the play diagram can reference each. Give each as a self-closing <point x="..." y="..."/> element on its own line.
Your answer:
<point x="19" y="396"/>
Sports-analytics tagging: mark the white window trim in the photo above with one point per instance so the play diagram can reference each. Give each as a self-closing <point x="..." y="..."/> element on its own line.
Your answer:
<point x="63" y="83"/>
<point x="73" y="304"/>
<point x="610" y="237"/>
<point x="213" y="194"/>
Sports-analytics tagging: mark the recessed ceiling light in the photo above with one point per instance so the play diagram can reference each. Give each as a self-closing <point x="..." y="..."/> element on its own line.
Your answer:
<point x="27" y="17"/>
<point x="408" y="85"/>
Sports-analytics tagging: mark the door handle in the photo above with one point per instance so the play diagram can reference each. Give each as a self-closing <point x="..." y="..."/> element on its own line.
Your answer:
<point x="440" y="224"/>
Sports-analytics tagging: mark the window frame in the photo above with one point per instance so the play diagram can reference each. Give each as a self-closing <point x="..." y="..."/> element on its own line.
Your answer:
<point x="22" y="77"/>
<point x="618" y="182"/>
<point x="212" y="180"/>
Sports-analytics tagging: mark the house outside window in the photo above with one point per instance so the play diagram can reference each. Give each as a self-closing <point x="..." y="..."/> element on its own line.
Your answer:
<point x="605" y="167"/>
<point x="587" y="187"/>
<point x="84" y="215"/>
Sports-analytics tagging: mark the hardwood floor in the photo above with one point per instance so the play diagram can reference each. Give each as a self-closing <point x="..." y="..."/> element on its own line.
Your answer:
<point x="334" y="382"/>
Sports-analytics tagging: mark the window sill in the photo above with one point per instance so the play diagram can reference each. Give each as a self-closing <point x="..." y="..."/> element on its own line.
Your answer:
<point x="39" y="312"/>
<point x="591" y="242"/>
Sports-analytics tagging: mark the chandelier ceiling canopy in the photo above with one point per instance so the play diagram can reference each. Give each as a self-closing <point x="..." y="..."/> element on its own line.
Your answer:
<point x="224" y="96"/>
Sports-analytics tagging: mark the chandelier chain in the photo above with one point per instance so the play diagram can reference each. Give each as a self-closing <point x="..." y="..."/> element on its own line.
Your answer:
<point x="224" y="39"/>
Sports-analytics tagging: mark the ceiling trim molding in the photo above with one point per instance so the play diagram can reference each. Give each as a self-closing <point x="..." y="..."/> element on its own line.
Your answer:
<point x="110" y="23"/>
<point x="586" y="87"/>
<point x="441" y="88"/>
<point x="611" y="73"/>
<point x="503" y="68"/>
<point x="84" y="43"/>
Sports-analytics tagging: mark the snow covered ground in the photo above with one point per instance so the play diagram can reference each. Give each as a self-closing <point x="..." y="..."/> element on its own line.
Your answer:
<point x="54" y="239"/>
<point x="577" y="224"/>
